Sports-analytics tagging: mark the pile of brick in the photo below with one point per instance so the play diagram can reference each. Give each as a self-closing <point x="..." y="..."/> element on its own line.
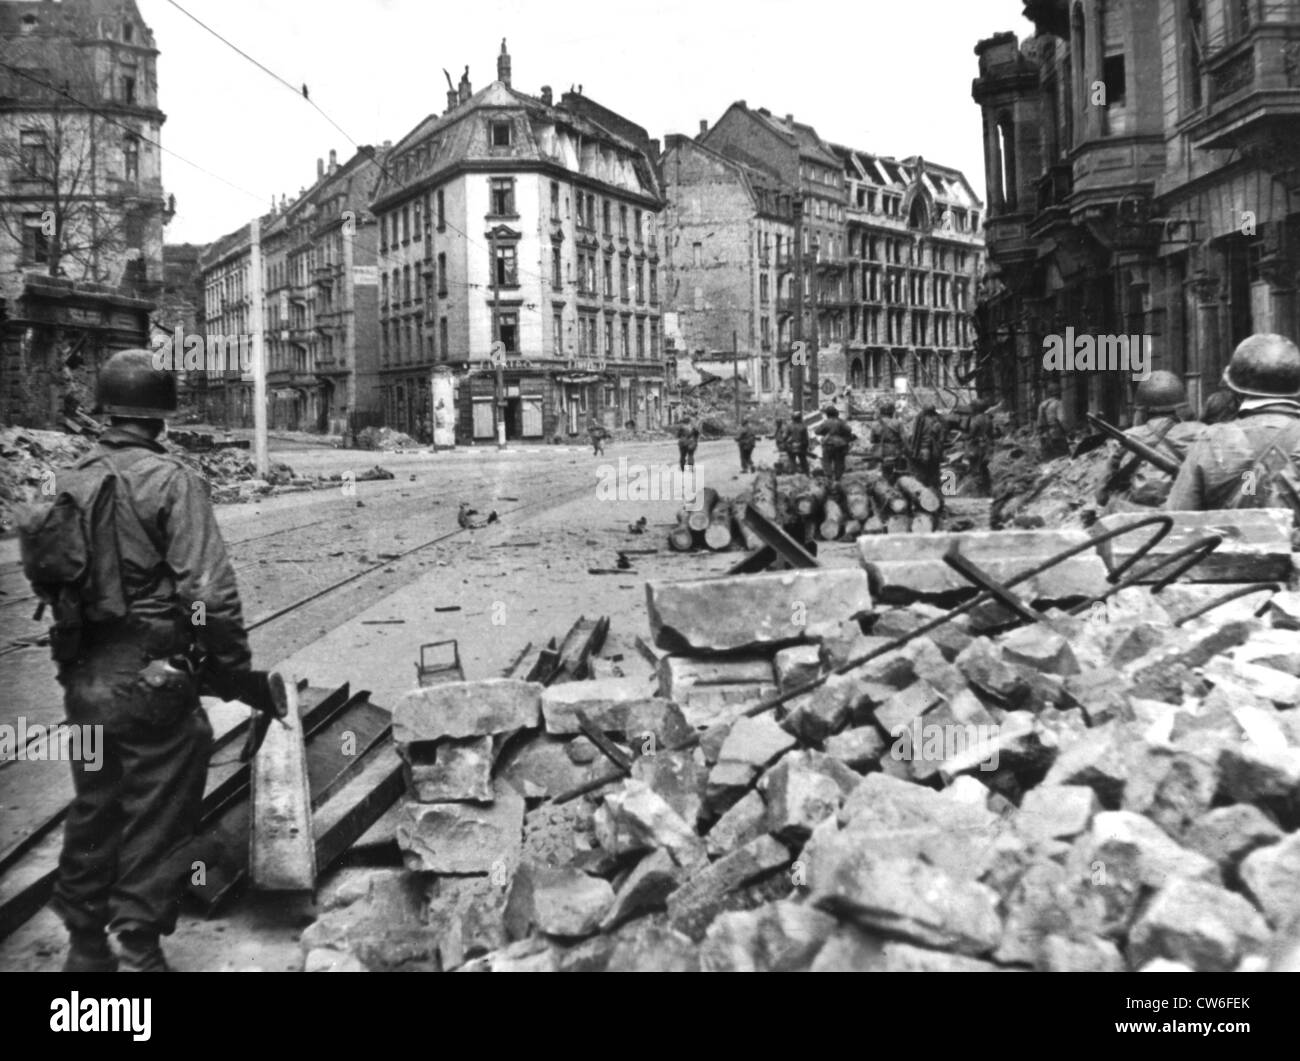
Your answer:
<point x="1106" y="791"/>
<point x="28" y="460"/>
<point x="1029" y="492"/>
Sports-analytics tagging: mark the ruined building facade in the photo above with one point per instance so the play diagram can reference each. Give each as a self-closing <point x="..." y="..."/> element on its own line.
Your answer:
<point x="891" y="251"/>
<point x="319" y="305"/>
<point x="532" y="223"/>
<point x="82" y="207"/>
<point x="1142" y="158"/>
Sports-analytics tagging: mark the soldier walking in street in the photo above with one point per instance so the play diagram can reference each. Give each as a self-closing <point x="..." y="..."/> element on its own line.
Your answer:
<point x="796" y="444"/>
<point x="979" y="446"/>
<point x="926" y="450"/>
<point x="597" y="433"/>
<point x="688" y="437"/>
<point x="1252" y="461"/>
<point x="162" y="623"/>
<point x="837" y="437"/>
<point x="746" y="440"/>
<point x="887" y="435"/>
<point x="1053" y="437"/>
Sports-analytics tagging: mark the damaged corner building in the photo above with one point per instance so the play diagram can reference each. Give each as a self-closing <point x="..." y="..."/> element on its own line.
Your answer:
<point x="956" y="751"/>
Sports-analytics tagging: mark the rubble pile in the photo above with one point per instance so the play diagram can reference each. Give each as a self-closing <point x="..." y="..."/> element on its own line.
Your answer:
<point x="1030" y="492"/>
<point x="28" y="460"/>
<point x="1108" y="791"/>
<point x="384" y="438"/>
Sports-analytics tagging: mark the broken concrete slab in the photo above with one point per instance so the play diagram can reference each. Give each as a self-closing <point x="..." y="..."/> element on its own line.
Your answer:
<point x="1056" y="812"/>
<point x="814" y="716"/>
<point x="899" y="710"/>
<point x="1272" y="879"/>
<point x="694" y="905"/>
<point x="636" y="818"/>
<point x="1045" y="901"/>
<point x="1226" y="835"/>
<point x="801" y="790"/>
<point x="557" y="901"/>
<point x="1101" y="694"/>
<point x="905" y="897"/>
<point x="755" y="741"/>
<point x="1256" y="543"/>
<point x="982" y="665"/>
<point x="743" y="821"/>
<point x="449" y="771"/>
<point x="1198" y="924"/>
<point x="679" y="777"/>
<point x="467" y="709"/>
<point x="1041" y="648"/>
<point x="646" y="888"/>
<point x="1284" y="610"/>
<point x="1265" y="682"/>
<point x="754" y="611"/>
<point x="1098" y="761"/>
<point x="648" y="947"/>
<point x="858" y="748"/>
<point x="781" y="936"/>
<point x="463" y="837"/>
<point x="677" y="674"/>
<point x="796" y="666"/>
<point x="1171" y="786"/>
<point x="468" y="916"/>
<point x="904" y="567"/>
<point x="711" y="705"/>
<point x="622" y="706"/>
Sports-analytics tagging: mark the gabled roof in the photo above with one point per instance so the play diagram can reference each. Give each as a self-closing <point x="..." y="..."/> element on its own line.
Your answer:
<point x="459" y="136"/>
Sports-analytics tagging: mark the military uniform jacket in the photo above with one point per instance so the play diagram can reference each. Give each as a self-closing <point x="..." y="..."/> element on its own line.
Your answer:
<point x="1214" y="473"/>
<point x="172" y="555"/>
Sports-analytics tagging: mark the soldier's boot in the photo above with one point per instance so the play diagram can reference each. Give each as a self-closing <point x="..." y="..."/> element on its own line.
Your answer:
<point x="141" y="952"/>
<point x="89" y="952"/>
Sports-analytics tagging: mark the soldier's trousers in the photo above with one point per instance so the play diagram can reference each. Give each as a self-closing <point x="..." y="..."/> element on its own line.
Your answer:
<point x="122" y="865"/>
<point x="746" y="458"/>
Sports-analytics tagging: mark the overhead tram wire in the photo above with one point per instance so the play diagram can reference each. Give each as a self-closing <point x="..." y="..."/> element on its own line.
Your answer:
<point x="301" y="91"/>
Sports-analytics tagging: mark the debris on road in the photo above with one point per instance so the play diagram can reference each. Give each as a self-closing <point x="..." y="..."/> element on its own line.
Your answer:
<point x="1110" y="790"/>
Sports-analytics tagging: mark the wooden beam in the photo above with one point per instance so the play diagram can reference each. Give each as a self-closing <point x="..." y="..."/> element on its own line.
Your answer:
<point x="282" y="855"/>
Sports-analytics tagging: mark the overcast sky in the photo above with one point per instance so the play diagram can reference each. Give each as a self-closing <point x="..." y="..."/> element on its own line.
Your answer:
<point x="890" y="76"/>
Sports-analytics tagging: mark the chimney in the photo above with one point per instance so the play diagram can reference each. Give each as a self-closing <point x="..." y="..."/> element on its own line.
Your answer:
<point x="451" y="99"/>
<point x="503" y="65"/>
<point x="334" y="160"/>
<point x="320" y="168"/>
<point x="789" y="119"/>
<point x="465" y="90"/>
<point x="655" y="150"/>
<point x="546" y="94"/>
<point x="704" y="126"/>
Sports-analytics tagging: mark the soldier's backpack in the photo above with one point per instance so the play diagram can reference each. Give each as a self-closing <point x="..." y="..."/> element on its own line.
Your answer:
<point x="70" y="553"/>
<point x="1273" y="480"/>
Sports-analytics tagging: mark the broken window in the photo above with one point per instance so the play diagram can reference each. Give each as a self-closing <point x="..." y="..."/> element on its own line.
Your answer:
<point x="503" y="196"/>
<point x="507" y="267"/>
<point x="36" y="243"/>
<point x="508" y="331"/>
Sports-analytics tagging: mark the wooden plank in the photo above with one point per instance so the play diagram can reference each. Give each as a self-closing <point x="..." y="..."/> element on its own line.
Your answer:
<point x="282" y="854"/>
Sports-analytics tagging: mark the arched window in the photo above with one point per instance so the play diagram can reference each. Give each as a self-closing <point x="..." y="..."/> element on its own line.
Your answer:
<point x="919" y="217"/>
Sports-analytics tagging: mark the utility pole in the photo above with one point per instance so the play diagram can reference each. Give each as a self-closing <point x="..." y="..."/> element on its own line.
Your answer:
<point x="798" y="356"/>
<point x="814" y="374"/>
<point x="735" y="375"/>
<point x="258" y="340"/>
<point x="498" y="389"/>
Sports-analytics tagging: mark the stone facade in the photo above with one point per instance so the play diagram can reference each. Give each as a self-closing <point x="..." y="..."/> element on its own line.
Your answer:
<point x="1142" y="160"/>
<point x="521" y="220"/>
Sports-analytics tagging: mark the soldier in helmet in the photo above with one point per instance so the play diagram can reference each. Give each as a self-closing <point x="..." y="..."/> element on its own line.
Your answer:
<point x="887" y="434"/>
<point x="979" y="446"/>
<point x="929" y="435"/>
<point x="139" y="679"/>
<point x="1164" y="400"/>
<point x="1252" y="461"/>
<point x="837" y="437"/>
<point x="1053" y="436"/>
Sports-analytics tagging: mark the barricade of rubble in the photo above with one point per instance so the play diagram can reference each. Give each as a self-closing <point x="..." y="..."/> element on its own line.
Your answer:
<point x="1117" y="789"/>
